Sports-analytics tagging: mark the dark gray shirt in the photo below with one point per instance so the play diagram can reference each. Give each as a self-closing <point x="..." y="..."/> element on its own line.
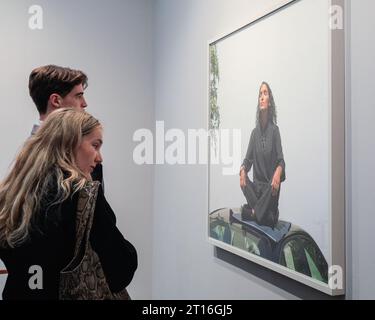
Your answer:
<point x="264" y="153"/>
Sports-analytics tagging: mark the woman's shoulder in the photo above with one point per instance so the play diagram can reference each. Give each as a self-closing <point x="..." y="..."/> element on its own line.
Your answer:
<point x="54" y="210"/>
<point x="274" y="127"/>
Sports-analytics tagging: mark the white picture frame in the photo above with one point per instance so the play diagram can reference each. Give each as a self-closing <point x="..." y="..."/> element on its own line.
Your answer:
<point x="242" y="64"/>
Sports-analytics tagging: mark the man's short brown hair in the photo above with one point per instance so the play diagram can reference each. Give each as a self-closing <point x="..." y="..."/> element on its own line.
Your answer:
<point x="49" y="79"/>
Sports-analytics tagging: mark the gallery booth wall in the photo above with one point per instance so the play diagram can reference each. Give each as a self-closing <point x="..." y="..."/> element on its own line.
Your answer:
<point x="147" y="61"/>
<point x="112" y="42"/>
<point x="185" y="265"/>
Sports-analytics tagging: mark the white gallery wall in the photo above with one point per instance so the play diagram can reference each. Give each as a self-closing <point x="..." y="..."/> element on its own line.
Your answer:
<point x="361" y="150"/>
<point x="185" y="266"/>
<point x="112" y="42"/>
<point x="184" y="263"/>
<point x="147" y="61"/>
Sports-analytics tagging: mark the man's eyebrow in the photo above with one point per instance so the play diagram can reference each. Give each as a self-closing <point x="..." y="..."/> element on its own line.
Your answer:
<point x="100" y="141"/>
<point x="79" y="93"/>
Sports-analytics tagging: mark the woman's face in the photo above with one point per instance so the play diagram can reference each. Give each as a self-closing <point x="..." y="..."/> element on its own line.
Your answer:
<point x="87" y="154"/>
<point x="264" y="97"/>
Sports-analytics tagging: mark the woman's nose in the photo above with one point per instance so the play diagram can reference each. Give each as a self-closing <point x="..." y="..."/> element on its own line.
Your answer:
<point x="99" y="158"/>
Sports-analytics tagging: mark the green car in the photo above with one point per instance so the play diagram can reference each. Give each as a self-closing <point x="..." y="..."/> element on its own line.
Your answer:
<point x="286" y="244"/>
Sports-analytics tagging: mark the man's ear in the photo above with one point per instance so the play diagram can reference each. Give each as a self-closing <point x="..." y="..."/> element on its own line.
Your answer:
<point x="54" y="101"/>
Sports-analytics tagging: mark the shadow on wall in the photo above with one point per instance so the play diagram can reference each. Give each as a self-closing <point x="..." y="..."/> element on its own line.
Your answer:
<point x="287" y="284"/>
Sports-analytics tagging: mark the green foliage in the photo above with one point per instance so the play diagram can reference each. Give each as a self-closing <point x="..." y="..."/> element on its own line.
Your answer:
<point x="214" y="80"/>
<point x="214" y="108"/>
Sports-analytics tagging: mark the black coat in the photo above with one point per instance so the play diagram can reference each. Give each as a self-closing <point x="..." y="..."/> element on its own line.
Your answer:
<point x="51" y="247"/>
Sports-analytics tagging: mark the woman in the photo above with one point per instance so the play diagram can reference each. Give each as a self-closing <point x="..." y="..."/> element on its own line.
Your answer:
<point x="38" y="205"/>
<point x="265" y="155"/>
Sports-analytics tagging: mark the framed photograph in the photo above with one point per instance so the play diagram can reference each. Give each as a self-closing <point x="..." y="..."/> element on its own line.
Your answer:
<point x="276" y="173"/>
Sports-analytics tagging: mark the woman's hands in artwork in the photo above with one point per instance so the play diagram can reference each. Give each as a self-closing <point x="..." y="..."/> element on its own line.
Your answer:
<point x="242" y="177"/>
<point x="276" y="180"/>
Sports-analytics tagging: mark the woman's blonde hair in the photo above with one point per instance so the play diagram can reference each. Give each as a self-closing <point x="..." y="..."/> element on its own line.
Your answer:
<point x="46" y="156"/>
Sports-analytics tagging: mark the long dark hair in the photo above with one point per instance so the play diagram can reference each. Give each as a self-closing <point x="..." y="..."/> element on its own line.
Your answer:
<point x="272" y="116"/>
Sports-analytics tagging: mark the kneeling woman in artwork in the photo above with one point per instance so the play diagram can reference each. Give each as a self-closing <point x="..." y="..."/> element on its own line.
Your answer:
<point x="265" y="155"/>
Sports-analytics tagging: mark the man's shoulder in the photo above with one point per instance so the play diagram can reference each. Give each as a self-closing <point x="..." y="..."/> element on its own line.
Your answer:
<point x="34" y="129"/>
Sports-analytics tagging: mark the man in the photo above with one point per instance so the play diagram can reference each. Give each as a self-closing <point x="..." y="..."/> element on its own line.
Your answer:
<point x="52" y="87"/>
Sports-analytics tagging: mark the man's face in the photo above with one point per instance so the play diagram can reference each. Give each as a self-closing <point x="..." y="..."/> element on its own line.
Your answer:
<point x="74" y="98"/>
